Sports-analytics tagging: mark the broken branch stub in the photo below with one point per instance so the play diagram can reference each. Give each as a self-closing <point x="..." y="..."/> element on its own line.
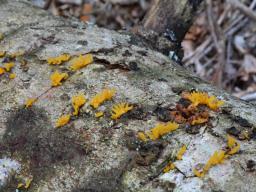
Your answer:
<point x="172" y="18"/>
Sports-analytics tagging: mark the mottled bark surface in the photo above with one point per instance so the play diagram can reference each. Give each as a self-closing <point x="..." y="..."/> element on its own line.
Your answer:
<point x="92" y="154"/>
<point x="172" y="18"/>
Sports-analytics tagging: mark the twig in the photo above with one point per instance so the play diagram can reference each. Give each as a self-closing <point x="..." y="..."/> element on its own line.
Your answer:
<point x="239" y="24"/>
<point x="219" y="43"/>
<point x="212" y="24"/>
<point x="249" y="97"/>
<point x="198" y="50"/>
<point x="244" y="9"/>
<point x="223" y="15"/>
<point x="207" y="45"/>
<point x="229" y="51"/>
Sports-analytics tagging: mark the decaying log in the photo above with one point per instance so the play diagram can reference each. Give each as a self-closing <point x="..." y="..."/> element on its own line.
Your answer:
<point x="172" y="18"/>
<point x="100" y="154"/>
<point x="168" y="20"/>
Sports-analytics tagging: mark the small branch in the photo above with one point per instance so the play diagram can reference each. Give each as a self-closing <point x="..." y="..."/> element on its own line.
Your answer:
<point x="207" y="45"/>
<point x="244" y="9"/>
<point x="249" y="97"/>
<point x="212" y="25"/>
<point x="219" y="43"/>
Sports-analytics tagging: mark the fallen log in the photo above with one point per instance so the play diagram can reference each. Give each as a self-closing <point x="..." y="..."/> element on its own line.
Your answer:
<point x="92" y="153"/>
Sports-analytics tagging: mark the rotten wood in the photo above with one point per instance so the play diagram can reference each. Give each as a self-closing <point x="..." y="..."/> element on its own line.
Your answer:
<point x="172" y="18"/>
<point x="91" y="154"/>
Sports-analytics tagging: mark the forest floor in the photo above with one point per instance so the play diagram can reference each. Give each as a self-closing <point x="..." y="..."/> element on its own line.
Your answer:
<point x="220" y="46"/>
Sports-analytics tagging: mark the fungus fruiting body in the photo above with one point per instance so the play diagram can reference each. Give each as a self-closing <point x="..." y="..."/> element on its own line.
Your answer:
<point x="81" y="61"/>
<point x="158" y="131"/>
<point x="142" y="136"/>
<point x="2" y="53"/>
<point x="2" y="70"/>
<point x="57" y="78"/>
<point x="77" y="102"/>
<point x="233" y="145"/>
<point x="170" y="166"/>
<point x="202" y="98"/>
<point x="20" y="185"/>
<point x="162" y="129"/>
<point x="119" y="109"/>
<point x="63" y="120"/>
<point x="30" y="102"/>
<point x="181" y="152"/>
<point x="199" y="120"/>
<point x="8" y="66"/>
<point x="12" y="75"/>
<point x="99" y="114"/>
<point x="58" y="60"/>
<point x="26" y="184"/>
<point x="219" y="156"/>
<point x="198" y="173"/>
<point x="105" y="95"/>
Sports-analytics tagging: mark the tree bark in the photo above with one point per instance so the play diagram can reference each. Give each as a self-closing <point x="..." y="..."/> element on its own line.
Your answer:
<point x="101" y="154"/>
<point x="165" y="25"/>
<point x="172" y="18"/>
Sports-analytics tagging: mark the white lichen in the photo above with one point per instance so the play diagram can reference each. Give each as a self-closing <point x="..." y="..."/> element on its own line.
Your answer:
<point x="8" y="167"/>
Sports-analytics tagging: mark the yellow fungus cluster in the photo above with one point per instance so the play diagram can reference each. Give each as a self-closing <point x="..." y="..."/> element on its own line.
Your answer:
<point x="63" y="120"/>
<point x="99" y="114"/>
<point x="1" y="36"/>
<point x="202" y="98"/>
<point x="25" y="185"/>
<point x="2" y="70"/>
<point x="171" y="165"/>
<point x="57" y="78"/>
<point x="219" y="156"/>
<point x="81" y="61"/>
<point x="181" y="152"/>
<point x="142" y="136"/>
<point x="199" y="120"/>
<point x="119" y="109"/>
<point x="12" y="75"/>
<point x="77" y="102"/>
<point x="162" y="129"/>
<point x="2" y="54"/>
<point x="8" y="66"/>
<point x="233" y="145"/>
<point x="105" y="95"/>
<point x="58" y="60"/>
<point x="158" y="131"/>
<point x="30" y="102"/>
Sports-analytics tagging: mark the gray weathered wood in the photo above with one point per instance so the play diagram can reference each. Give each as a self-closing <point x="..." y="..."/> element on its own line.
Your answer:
<point x="91" y="154"/>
